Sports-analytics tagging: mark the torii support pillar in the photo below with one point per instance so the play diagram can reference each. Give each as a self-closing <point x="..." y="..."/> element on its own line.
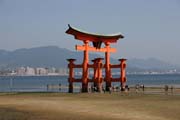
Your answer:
<point x="95" y="75"/>
<point x="71" y="74"/>
<point x="98" y="73"/>
<point x="123" y="73"/>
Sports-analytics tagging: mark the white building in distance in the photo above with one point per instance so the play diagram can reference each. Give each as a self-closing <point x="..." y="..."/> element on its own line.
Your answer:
<point x="41" y="71"/>
<point x="30" y="71"/>
<point x="21" y="71"/>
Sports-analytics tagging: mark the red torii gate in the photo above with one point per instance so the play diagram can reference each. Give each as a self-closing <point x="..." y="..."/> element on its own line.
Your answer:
<point x="97" y="40"/>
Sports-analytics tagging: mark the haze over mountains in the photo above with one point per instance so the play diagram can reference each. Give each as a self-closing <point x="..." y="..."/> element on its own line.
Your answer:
<point x="53" y="56"/>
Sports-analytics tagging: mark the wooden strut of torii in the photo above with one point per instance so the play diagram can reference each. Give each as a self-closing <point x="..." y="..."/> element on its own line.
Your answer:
<point x="97" y="40"/>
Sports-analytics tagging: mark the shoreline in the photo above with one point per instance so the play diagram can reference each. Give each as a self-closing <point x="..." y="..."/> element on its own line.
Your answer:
<point x="132" y="90"/>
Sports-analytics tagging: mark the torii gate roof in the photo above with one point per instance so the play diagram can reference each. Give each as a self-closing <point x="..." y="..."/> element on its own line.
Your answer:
<point x="82" y="35"/>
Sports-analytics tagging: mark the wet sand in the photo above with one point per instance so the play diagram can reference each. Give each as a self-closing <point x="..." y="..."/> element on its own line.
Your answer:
<point x="89" y="106"/>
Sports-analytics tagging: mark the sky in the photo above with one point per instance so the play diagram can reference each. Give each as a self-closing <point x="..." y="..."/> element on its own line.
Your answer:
<point x="151" y="27"/>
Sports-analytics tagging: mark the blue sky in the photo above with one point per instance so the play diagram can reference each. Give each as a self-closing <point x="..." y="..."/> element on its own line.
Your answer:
<point x="151" y="27"/>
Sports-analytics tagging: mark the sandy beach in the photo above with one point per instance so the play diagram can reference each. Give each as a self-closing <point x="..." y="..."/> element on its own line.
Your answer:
<point x="96" y="106"/>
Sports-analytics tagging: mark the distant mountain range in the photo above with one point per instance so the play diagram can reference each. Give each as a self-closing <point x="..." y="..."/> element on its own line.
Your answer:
<point x="53" y="56"/>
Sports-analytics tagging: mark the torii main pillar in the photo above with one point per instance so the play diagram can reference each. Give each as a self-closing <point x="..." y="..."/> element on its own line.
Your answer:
<point x="85" y="68"/>
<point x="107" y="67"/>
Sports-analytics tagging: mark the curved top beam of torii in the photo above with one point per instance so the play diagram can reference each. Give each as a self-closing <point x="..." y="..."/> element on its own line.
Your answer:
<point x="82" y="35"/>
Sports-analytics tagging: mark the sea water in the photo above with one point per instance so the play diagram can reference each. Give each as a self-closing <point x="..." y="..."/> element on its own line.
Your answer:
<point x="40" y="83"/>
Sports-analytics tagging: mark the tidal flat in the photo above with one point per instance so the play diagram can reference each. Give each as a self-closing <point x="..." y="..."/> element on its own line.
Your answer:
<point x="88" y="106"/>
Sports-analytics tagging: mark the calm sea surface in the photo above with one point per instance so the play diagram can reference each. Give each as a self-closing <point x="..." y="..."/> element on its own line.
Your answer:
<point x="39" y="83"/>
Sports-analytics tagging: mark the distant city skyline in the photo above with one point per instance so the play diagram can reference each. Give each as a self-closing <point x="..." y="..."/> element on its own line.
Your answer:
<point x="151" y="28"/>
